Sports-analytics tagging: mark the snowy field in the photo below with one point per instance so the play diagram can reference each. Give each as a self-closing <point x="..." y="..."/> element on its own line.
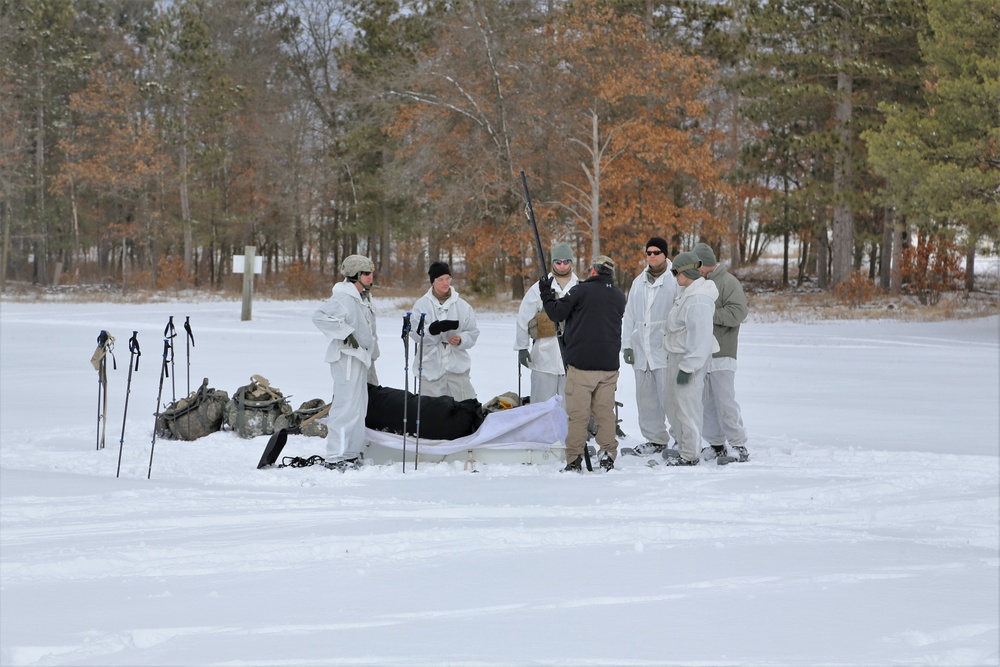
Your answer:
<point x="864" y="530"/>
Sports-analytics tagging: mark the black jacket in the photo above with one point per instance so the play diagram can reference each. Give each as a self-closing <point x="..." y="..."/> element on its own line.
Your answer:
<point x="593" y="311"/>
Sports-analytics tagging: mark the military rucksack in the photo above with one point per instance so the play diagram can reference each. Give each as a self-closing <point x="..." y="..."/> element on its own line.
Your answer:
<point x="194" y="416"/>
<point x="305" y="420"/>
<point x="255" y="407"/>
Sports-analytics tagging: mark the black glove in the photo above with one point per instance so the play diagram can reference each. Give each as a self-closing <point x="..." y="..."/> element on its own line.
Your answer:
<point x="545" y="284"/>
<point x="351" y="341"/>
<point x="683" y="377"/>
<point x="440" y="326"/>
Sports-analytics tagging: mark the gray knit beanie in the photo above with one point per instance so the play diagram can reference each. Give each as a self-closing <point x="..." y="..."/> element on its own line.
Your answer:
<point x="705" y="254"/>
<point x="562" y="251"/>
<point x="688" y="264"/>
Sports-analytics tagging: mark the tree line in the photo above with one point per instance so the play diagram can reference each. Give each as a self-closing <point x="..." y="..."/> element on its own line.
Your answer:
<point x="145" y="143"/>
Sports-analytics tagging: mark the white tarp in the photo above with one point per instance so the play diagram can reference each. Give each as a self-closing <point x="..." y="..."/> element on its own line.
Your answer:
<point x="532" y="426"/>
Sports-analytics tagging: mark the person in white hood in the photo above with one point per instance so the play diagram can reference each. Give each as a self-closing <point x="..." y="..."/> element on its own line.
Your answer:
<point x="689" y="343"/>
<point x="450" y="333"/>
<point x="535" y="329"/>
<point x="347" y="319"/>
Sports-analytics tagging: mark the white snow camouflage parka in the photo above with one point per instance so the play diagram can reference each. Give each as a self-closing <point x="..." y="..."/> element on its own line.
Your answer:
<point x="689" y="325"/>
<point x="440" y="357"/>
<point x="343" y="314"/>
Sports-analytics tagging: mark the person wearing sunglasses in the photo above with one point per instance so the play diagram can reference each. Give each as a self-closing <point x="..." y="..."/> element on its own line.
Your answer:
<point x="593" y="312"/>
<point x="452" y="331"/>
<point x="723" y="419"/>
<point x="689" y="342"/>
<point x="534" y="329"/>
<point x="649" y="301"/>
<point x="347" y="319"/>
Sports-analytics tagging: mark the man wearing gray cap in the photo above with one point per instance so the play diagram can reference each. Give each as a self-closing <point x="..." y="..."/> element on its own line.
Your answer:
<point x="347" y="319"/>
<point x="723" y="420"/>
<point x="592" y="339"/>
<point x="535" y="329"/>
<point x="689" y="343"/>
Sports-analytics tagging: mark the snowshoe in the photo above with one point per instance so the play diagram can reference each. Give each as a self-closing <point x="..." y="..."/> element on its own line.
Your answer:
<point x="679" y="461"/>
<point x="344" y="465"/>
<point x="645" y="449"/>
<point x="718" y="454"/>
<point x="607" y="463"/>
<point x="576" y="465"/>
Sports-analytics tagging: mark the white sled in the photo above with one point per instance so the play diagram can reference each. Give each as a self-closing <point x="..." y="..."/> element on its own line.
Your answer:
<point x="531" y="434"/>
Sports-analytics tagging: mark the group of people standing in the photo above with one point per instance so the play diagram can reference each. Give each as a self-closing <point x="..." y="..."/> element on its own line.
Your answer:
<point x="678" y="329"/>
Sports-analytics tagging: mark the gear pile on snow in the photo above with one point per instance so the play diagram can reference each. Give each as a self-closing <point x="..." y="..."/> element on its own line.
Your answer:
<point x="255" y="407"/>
<point x="193" y="417"/>
<point x="305" y="420"/>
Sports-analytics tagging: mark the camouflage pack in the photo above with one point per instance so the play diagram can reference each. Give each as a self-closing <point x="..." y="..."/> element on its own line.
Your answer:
<point x="194" y="416"/>
<point x="255" y="407"/>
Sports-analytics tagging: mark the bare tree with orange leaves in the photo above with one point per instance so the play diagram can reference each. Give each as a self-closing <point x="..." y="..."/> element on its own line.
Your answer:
<point x="648" y="165"/>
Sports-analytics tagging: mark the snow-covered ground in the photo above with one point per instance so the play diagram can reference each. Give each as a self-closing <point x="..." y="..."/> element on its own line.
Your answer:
<point x="864" y="531"/>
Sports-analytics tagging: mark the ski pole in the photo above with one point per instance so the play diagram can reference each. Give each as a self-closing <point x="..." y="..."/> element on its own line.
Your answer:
<point x="134" y="354"/>
<point x="170" y="332"/>
<point x="167" y="347"/>
<point x="188" y="344"/>
<point x="406" y="377"/>
<point x="519" y="379"/>
<point x="105" y="346"/>
<point x="420" y="388"/>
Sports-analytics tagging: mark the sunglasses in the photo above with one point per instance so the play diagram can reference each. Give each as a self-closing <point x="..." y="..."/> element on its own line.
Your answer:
<point x="562" y="262"/>
<point x="654" y="252"/>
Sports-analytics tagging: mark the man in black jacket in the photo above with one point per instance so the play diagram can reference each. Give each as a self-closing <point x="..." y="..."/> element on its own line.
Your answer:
<point x="592" y="311"/>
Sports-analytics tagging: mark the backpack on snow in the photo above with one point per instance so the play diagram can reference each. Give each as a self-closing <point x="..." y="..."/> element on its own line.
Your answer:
<point x="301" y="420"/>
<point x="193" y="417"/>
<point x="255" y="407"/>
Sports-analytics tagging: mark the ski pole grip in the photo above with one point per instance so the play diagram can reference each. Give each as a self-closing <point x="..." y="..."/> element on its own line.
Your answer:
<point x="133" y="347"/>
<point x="420" y="324"/>
<point x="406" y="324"/>
<point x="167" y="347"/>
<point x="187" y="328"/>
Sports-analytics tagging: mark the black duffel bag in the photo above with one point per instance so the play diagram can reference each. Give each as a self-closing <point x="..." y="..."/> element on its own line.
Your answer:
<point x="441" y="417"/>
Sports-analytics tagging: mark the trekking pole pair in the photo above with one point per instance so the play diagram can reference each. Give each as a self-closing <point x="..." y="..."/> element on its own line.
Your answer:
<point x="170" y="332"/>
<point x="105" y="346"/>
<point x="406" y="379"/>
<point x="417" y="381"/>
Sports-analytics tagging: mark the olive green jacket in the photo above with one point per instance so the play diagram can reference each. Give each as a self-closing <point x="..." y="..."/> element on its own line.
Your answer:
<point x="730" y="310"/>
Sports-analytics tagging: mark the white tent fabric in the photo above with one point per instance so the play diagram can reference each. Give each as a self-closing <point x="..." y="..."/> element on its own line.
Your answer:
<point x="536" y="426"/>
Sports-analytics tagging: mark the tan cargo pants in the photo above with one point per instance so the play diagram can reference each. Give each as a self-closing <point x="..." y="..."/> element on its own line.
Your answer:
<point x="590" y="392"/>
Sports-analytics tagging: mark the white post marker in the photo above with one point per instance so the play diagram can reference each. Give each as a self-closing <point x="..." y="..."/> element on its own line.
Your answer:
<point x="239" y="264"/>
